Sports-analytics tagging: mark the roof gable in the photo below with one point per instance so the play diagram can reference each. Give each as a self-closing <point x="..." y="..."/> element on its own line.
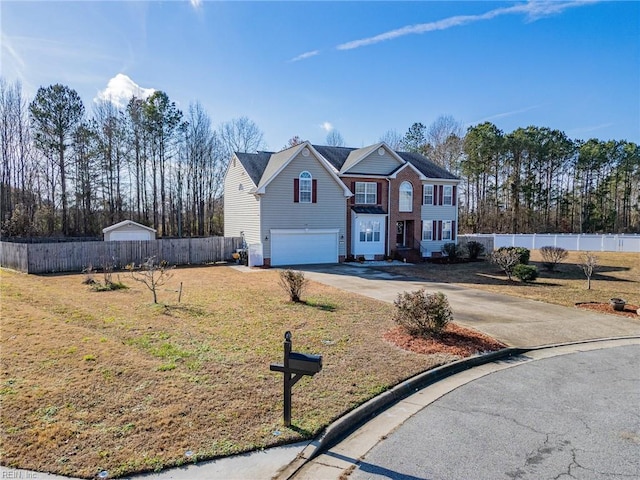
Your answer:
<point x="278" y="161"/>
<point x="126" y="223"/>
<point x="358" y="156"/>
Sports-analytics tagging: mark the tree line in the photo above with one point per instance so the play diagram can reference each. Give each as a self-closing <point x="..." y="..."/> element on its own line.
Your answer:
<point x="64" y="172"/>
<point x="534" y="179"/>
<point x="70" y="173"/>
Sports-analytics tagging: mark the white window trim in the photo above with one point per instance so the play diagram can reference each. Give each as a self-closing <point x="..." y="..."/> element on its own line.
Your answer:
<point x="402" y="196"/>
<point x="305" y="179"/>
<point x="370" y="226"/>
<point x="424" y="195"/>
<point x="367" y="195"/>
<point x="450" y="196"/>
<point x="427" y="226"/>
<point x="446" y="230"/>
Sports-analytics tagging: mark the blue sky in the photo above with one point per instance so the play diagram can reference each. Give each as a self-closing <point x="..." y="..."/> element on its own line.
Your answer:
<point x="363" y="68"/>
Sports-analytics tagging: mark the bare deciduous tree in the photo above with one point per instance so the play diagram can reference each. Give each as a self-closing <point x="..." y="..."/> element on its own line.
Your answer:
<point x="393" y="139"/>
<point x="334" y="139"/>
<point x="241" y="135"/>
<point x="506" y="259"/>
<point x="589" y="262"/>
<point x="152" y="274"/>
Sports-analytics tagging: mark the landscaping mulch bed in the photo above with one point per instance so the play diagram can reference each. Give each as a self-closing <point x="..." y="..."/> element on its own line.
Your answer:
<point x="629" y="310"/>
<point x="455" y="340"/>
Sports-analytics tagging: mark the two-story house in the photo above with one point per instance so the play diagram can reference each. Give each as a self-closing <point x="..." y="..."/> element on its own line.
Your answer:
<point x="319" y="204"/>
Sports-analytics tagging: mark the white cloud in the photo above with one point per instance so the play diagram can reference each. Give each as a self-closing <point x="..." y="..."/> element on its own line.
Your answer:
<point x="120" y="89"/>
<point x="533" y="9"/>
<point x="196" y="3"/>
<point x="305" y="55"/>
<point x="326" y="126"/>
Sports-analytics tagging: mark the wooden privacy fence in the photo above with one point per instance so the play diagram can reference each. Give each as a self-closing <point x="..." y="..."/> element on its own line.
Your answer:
<point x="76" y="256"/>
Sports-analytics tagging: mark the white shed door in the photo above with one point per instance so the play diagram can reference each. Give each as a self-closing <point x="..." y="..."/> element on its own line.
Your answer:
<point x="129" y="235"/>
<point x="303" y="247"/>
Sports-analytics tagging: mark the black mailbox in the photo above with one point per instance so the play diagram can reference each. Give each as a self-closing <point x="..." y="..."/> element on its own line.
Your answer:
<point x="305" y="364"/>
<point x="294" y="367"/>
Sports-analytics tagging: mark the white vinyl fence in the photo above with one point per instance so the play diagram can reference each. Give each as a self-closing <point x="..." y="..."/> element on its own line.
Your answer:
<point x="533" y="241"/>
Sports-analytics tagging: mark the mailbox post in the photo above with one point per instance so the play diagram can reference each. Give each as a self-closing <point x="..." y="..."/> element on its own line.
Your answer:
<point x="294" y="367"/>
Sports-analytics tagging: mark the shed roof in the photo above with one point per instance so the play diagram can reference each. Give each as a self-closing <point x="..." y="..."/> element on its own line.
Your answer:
<point x="127" y="223"/>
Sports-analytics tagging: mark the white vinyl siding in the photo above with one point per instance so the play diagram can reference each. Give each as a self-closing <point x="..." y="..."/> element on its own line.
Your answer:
<point x="375" y="164"/>
<point x="241" y="208"/>
<point x="366" y="193"/>
<point x="280" y="212"/>
<point x="406" y="197"/>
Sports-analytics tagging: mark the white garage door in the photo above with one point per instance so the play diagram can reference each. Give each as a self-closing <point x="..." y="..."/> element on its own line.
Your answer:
<point x="131" y="235"/>
<point x="303" y="247"/>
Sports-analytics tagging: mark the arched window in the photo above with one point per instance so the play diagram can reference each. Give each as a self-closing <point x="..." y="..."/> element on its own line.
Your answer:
<point x="406" y="197"/>
<point x="305" y="187"/>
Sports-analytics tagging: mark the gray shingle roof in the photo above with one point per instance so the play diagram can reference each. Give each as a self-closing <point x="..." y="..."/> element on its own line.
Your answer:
<point x="426" y="166"/>
<point x="256" y="163"/>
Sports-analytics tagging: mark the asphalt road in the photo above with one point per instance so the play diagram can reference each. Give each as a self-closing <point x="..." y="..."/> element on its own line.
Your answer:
<point x="573" y="416"/>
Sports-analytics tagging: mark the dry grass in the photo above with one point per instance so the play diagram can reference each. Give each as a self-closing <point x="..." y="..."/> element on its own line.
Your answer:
<point x="617" y="276"/>
<point x="107" y="380"/>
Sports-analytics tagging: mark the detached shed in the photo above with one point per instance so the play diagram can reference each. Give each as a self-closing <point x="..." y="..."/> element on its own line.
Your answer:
<point x="128" y="230"/>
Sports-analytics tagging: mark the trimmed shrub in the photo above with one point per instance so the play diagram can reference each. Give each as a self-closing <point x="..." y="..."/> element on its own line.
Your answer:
<point x="421" y="313"/>
<point x="552" y="256"/>
<point x="453" y="251"/>
<point x="293" y="283"/>
<point x="474" y="249"/>
<point x="523" y="253"/>
<point x="526" y="273"/>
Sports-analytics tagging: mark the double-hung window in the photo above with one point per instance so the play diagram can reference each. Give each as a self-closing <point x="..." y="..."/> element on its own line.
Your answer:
<point x="305" y="187"/>
<point x="366" y="193"/>
<point x="427" y="197"/>
<point x="447" y="197"/>
<point x="427" y="230"/>
<point x="446" y="230"/>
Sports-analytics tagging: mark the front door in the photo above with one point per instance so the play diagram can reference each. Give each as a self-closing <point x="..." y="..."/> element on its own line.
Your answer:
<point x="400" y="231"/>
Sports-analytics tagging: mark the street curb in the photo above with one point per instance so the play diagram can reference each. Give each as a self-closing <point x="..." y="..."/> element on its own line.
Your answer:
<point x="360" y="415"/>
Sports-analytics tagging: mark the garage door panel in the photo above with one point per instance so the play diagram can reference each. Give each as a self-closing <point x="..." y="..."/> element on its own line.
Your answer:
<point x="304" y="247"/>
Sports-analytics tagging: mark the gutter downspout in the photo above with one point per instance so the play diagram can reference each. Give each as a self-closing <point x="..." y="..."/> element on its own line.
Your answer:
<point x="388" y="217"/>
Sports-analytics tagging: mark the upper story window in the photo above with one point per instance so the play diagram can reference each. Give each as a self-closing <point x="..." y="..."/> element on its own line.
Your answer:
<point x="406" y="197"/>
<point x="366" y="193"/>
<point x="427" y="197"/>
<point x="305" y="187"/>
<point x="447" y="198"/>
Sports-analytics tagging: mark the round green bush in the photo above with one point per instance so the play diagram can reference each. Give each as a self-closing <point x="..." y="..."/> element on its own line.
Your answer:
<point x="526" y="273"/>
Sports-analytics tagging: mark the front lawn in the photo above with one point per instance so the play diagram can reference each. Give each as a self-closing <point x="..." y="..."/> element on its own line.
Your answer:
<point x="618" y="275"/>
<point x="94" y="381"/>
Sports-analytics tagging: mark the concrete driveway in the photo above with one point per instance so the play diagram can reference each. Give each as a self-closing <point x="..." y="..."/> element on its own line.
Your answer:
<point x="515" y="321"/>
